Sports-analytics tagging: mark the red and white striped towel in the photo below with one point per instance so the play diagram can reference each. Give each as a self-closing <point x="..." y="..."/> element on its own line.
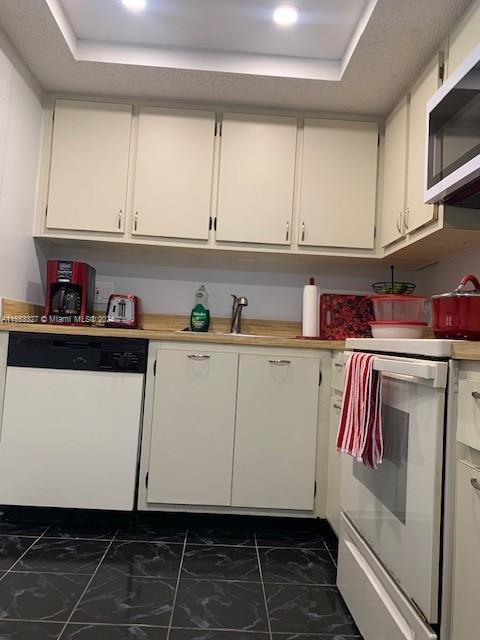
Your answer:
<point x="360" y="428"/>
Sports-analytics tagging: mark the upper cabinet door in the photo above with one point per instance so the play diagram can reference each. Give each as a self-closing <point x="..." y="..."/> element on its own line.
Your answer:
<point x="89" y="166"/>
<point x="395" y="164"/>
<point x="173" y="178"/>
<point x="417" y="212"/>
<point x="257" y="175"/>
<point x="339" y="182"/>
<point x="464" y="38"/>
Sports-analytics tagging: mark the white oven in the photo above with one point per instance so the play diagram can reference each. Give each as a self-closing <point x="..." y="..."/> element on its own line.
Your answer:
<point x="397" y="508"/>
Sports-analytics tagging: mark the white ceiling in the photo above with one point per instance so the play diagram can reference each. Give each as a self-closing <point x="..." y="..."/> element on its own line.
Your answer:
<point x="392" y="47"/>
<point x="324" y="29"/>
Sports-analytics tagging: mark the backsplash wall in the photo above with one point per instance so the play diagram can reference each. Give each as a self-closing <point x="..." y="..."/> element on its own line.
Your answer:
<point x="446" y="274"/>
<point x="167" y="284"/>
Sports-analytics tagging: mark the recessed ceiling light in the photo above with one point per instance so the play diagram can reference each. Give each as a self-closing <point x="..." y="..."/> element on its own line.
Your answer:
<point x="286" y="15"/>
<point x="135" y="5"/>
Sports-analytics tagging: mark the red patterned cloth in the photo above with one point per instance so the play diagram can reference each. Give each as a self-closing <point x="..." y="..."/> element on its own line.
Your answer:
<point x="360" y="428"/>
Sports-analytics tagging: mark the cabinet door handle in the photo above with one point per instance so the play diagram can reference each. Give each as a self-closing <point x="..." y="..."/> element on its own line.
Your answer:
<point x="337" y="407"/>
<point x="406" y="215"/>
<point x="287" y="234"/>
<point x="280" y="362"/>
<point x="135" y="224"/>
<point x="476" y="395"/>
<point x="303" y="231"/>
<point x="338" y="365"/>
<point x="119" y="218"/>
<point x="475" y="484"/>
<point x="198" y="356"/>
<point x="399" y="226"/>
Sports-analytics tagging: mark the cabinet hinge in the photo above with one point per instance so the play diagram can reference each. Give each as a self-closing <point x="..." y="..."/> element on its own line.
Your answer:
<point x="320" y="378"/>
<point x="375" y="232"/>
<point x="378" y="140"/>
<point x="210" y="223"/>
<point x="215" y="224"/>
<point x="314" y="489"/>
<point x="155" y="368"/>
<point x="146" y="481"/>
<point x="46" y="211"/>
<point x="221" y="129"/>
<point x="53" y="116"/>
<point x="441" y="67"/>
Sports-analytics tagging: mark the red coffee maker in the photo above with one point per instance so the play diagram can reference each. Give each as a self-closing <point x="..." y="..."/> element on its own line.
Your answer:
<point x="70" y="292"/>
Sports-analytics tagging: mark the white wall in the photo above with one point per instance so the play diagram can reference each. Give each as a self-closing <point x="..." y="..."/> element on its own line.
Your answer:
<point x="167" y="284"/>
<point x="445" y="275"/>
<point x="20" y="137"/>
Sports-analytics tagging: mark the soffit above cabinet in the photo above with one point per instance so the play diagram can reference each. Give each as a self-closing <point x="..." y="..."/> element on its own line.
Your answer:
<point x="351" y="56"/>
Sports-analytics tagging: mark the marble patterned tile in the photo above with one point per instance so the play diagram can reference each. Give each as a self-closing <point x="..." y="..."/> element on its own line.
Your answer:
<point x="40" y="596"/>
<point x="79" y="532"/>
<point x="202" y="634"/>
<point x="112" y="632"/>
<point x="222" y="536"/>
<point x="308" y="609"/>
<point x="293" y="538"/>
<point x="316" y="636"/>
<point x="212" y="604"/>
<point x="21" y="630"/>
<point x="297" y="566"/>
<point x="63" y="556"/>
<point x="154" y="532"/>
<point x="143" y="558"/>
<point x="11" y="548"/>
<point x="221" y="563"/>
<point x="122" y="599"/>
<point x="32" y="530"/>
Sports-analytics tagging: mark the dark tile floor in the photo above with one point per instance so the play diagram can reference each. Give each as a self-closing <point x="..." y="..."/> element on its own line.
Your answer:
<point x="170" y="580"/>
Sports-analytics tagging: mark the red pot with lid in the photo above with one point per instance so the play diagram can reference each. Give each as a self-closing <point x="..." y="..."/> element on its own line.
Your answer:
<point x="457" y="314"/>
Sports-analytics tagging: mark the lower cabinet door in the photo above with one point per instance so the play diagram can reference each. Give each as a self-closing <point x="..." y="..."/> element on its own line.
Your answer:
<point x="275" y="436"/>
<point x="191" y="447"/>
<point x="467" y="555"/>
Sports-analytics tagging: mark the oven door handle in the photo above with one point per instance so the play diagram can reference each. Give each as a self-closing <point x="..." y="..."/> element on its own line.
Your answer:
<point x="417" y="372"/>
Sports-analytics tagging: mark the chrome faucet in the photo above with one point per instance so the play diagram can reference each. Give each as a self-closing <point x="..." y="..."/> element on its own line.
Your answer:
<point x="236" y="322"/>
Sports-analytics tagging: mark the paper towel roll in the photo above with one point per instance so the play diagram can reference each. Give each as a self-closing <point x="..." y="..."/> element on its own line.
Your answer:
<point x="310" y="310"/>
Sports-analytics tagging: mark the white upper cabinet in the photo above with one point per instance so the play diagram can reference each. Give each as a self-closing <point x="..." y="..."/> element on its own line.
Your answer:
<point x="338" y="184"/>
<point x="89" y="166"/>
<point x="394" y="178"/>
<point x="256" y="181"/>
<point x="464" y="38"/>
<point x="173" y="176"/>
<point x="417" y="213"/>
<point x="275" y="434"/>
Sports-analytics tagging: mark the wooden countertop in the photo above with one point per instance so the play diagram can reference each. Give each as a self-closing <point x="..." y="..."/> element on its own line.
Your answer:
<point x="466" y="350"/>
<point x="177" y="336"/>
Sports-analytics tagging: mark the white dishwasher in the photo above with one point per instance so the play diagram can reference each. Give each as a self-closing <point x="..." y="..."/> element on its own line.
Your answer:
<point x="71" y="421"/>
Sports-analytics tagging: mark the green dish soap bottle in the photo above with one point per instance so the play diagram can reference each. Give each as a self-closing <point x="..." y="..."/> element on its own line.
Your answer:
<point x="200" y="317"/>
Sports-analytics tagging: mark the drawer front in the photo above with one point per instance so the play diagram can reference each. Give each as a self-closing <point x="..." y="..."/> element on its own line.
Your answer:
<point x="338" y="371"/>
<point x="367" y="588"/>
<point x="468" y="424"/>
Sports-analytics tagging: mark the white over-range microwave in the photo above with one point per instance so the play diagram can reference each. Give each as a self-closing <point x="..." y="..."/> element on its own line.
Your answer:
<point x="453" y="138"/>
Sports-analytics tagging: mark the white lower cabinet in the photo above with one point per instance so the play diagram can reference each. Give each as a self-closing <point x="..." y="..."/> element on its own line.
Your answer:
<point x="274" y="463"/>
<point x="193" y="423"/>
<point x="225" y="427"/>
<point x="467" y="555"/>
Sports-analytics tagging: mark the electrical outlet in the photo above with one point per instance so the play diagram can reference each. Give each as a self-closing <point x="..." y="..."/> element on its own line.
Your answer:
<point x="103" y="291"/>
